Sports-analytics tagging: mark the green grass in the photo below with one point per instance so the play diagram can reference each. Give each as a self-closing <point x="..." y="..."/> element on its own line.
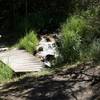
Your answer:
<point x="5" y="72"/>
<point x="42" y="73"/>
<point x="95" y="50"/>
<point x="29" y="42"/>
<point x="79" y="37"/>
<point x="71" y="38"/>
<point x="74" y="23"/>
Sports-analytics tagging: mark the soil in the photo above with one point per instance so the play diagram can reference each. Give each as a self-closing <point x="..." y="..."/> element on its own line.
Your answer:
<point x="81" y="82"/>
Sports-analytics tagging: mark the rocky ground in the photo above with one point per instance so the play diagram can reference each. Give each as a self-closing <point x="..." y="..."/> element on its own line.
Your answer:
<point x="47" y="49"/>
<point x="81" y="82"/>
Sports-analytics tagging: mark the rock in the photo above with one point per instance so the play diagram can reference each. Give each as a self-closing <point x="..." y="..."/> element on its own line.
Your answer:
<point x="47" y="47"/>
<point x="47" y="63"/>
<point x="3" y="49"/>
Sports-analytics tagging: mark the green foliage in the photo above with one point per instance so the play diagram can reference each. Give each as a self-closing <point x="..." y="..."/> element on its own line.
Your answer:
<point x="78" y="34"/>
<point x="92" y="30"/>
<point x="91" y="35"/>
<point x="29" y="42"/>
<point x="74" y="23"/>
<point x="91" y="52"/>
<point x="71" y="38"/>
<point x="85" y="54"/>
<point x="5" y="72"/>
<point x="70" y="46"/>
<point x="95" y="50"/>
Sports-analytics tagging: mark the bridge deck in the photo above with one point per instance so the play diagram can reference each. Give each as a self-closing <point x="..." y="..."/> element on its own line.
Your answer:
<point x="21" y="61"/>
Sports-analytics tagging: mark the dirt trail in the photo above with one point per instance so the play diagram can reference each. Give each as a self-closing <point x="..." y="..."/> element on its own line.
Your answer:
<point x="79" y="83"/>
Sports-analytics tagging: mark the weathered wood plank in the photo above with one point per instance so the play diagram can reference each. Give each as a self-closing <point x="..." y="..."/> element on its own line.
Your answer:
<point x="21" y="61"/>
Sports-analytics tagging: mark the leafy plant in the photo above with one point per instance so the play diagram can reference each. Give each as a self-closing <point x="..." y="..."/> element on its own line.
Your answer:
<point x="74" y="23"/>
<point x="29" y="42"/>
<point x="71" y="38"/>
<point x="5" y="72"/>
<point x="95" y="50"/>
<point x="70" y="46"/>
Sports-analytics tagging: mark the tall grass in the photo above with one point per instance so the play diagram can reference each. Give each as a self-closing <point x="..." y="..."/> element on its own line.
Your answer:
<point x="91" y="36"/>
<point x="95" y="50"/>
<point x="29" y="42"/>
<point x="80" y="35"/>
<point x="91" y="52"/>
<point x="74" y="23"/>
<point x="71" y="38"/>
<point x="5" y="72"/>
<point x="70" y="46"/>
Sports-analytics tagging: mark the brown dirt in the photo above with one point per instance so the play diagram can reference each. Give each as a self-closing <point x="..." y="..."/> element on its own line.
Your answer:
<point x="79" y="83"/>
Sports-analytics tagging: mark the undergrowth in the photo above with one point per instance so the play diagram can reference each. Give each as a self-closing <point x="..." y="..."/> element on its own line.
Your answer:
<point x="6" y="72"/>
<point x="71" y="38"/>
<point x="80" y="37"/>
<point x="29" y="42"/>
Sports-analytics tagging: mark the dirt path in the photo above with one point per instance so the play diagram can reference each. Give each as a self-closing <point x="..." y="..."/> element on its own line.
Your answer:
<point x="79" y="83"/>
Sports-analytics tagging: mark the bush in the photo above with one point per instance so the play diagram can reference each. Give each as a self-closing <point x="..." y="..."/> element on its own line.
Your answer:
<point x="29" y="42"/>
<point x="91" y="52"/>
<point x="92" y="30"/>
<point x="70" y="44"/>
<point x="5" y="72"/>
<point x="95" y="50"/>
<point x="74" y="23"/>
<point x="71" y="38"/>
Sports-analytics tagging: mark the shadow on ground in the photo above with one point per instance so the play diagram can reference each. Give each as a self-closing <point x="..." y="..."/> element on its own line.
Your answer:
<point x="80" y="83"/>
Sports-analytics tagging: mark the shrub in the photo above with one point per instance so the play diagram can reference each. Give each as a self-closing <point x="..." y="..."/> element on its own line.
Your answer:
<point x="70" y="46"/>
<point x="71" y="38"/>
<point x="74" y="23"/>
<point x="91" y="52"/>
<point x="95" y="50"/>
<point x="5" y="72"/>
<point x="29" y="42"/>
<point x="85" y="53"/>
<point x="93" y="23"/>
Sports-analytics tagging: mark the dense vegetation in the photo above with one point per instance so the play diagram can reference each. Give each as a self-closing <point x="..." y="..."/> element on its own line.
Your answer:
<point x="81" y="36"/>
<point x="29" y="42"/>
<point x="18" y="16"/>
<point x="6" y="72"/>
<point x="71" y="38"/>
<point x="77" y="21"/>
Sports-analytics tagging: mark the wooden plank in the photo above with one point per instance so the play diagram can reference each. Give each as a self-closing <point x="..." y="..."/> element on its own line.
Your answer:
<point x="21" y="61"/>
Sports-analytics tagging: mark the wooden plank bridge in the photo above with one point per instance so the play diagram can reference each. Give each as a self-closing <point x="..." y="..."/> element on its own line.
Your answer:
<point x="21" y="61"/>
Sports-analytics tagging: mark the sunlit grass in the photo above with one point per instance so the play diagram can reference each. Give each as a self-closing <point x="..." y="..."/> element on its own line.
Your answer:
<point x="6" y="72"/>
<point x="71" y="38"/>
<point x="29" y="42"/>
